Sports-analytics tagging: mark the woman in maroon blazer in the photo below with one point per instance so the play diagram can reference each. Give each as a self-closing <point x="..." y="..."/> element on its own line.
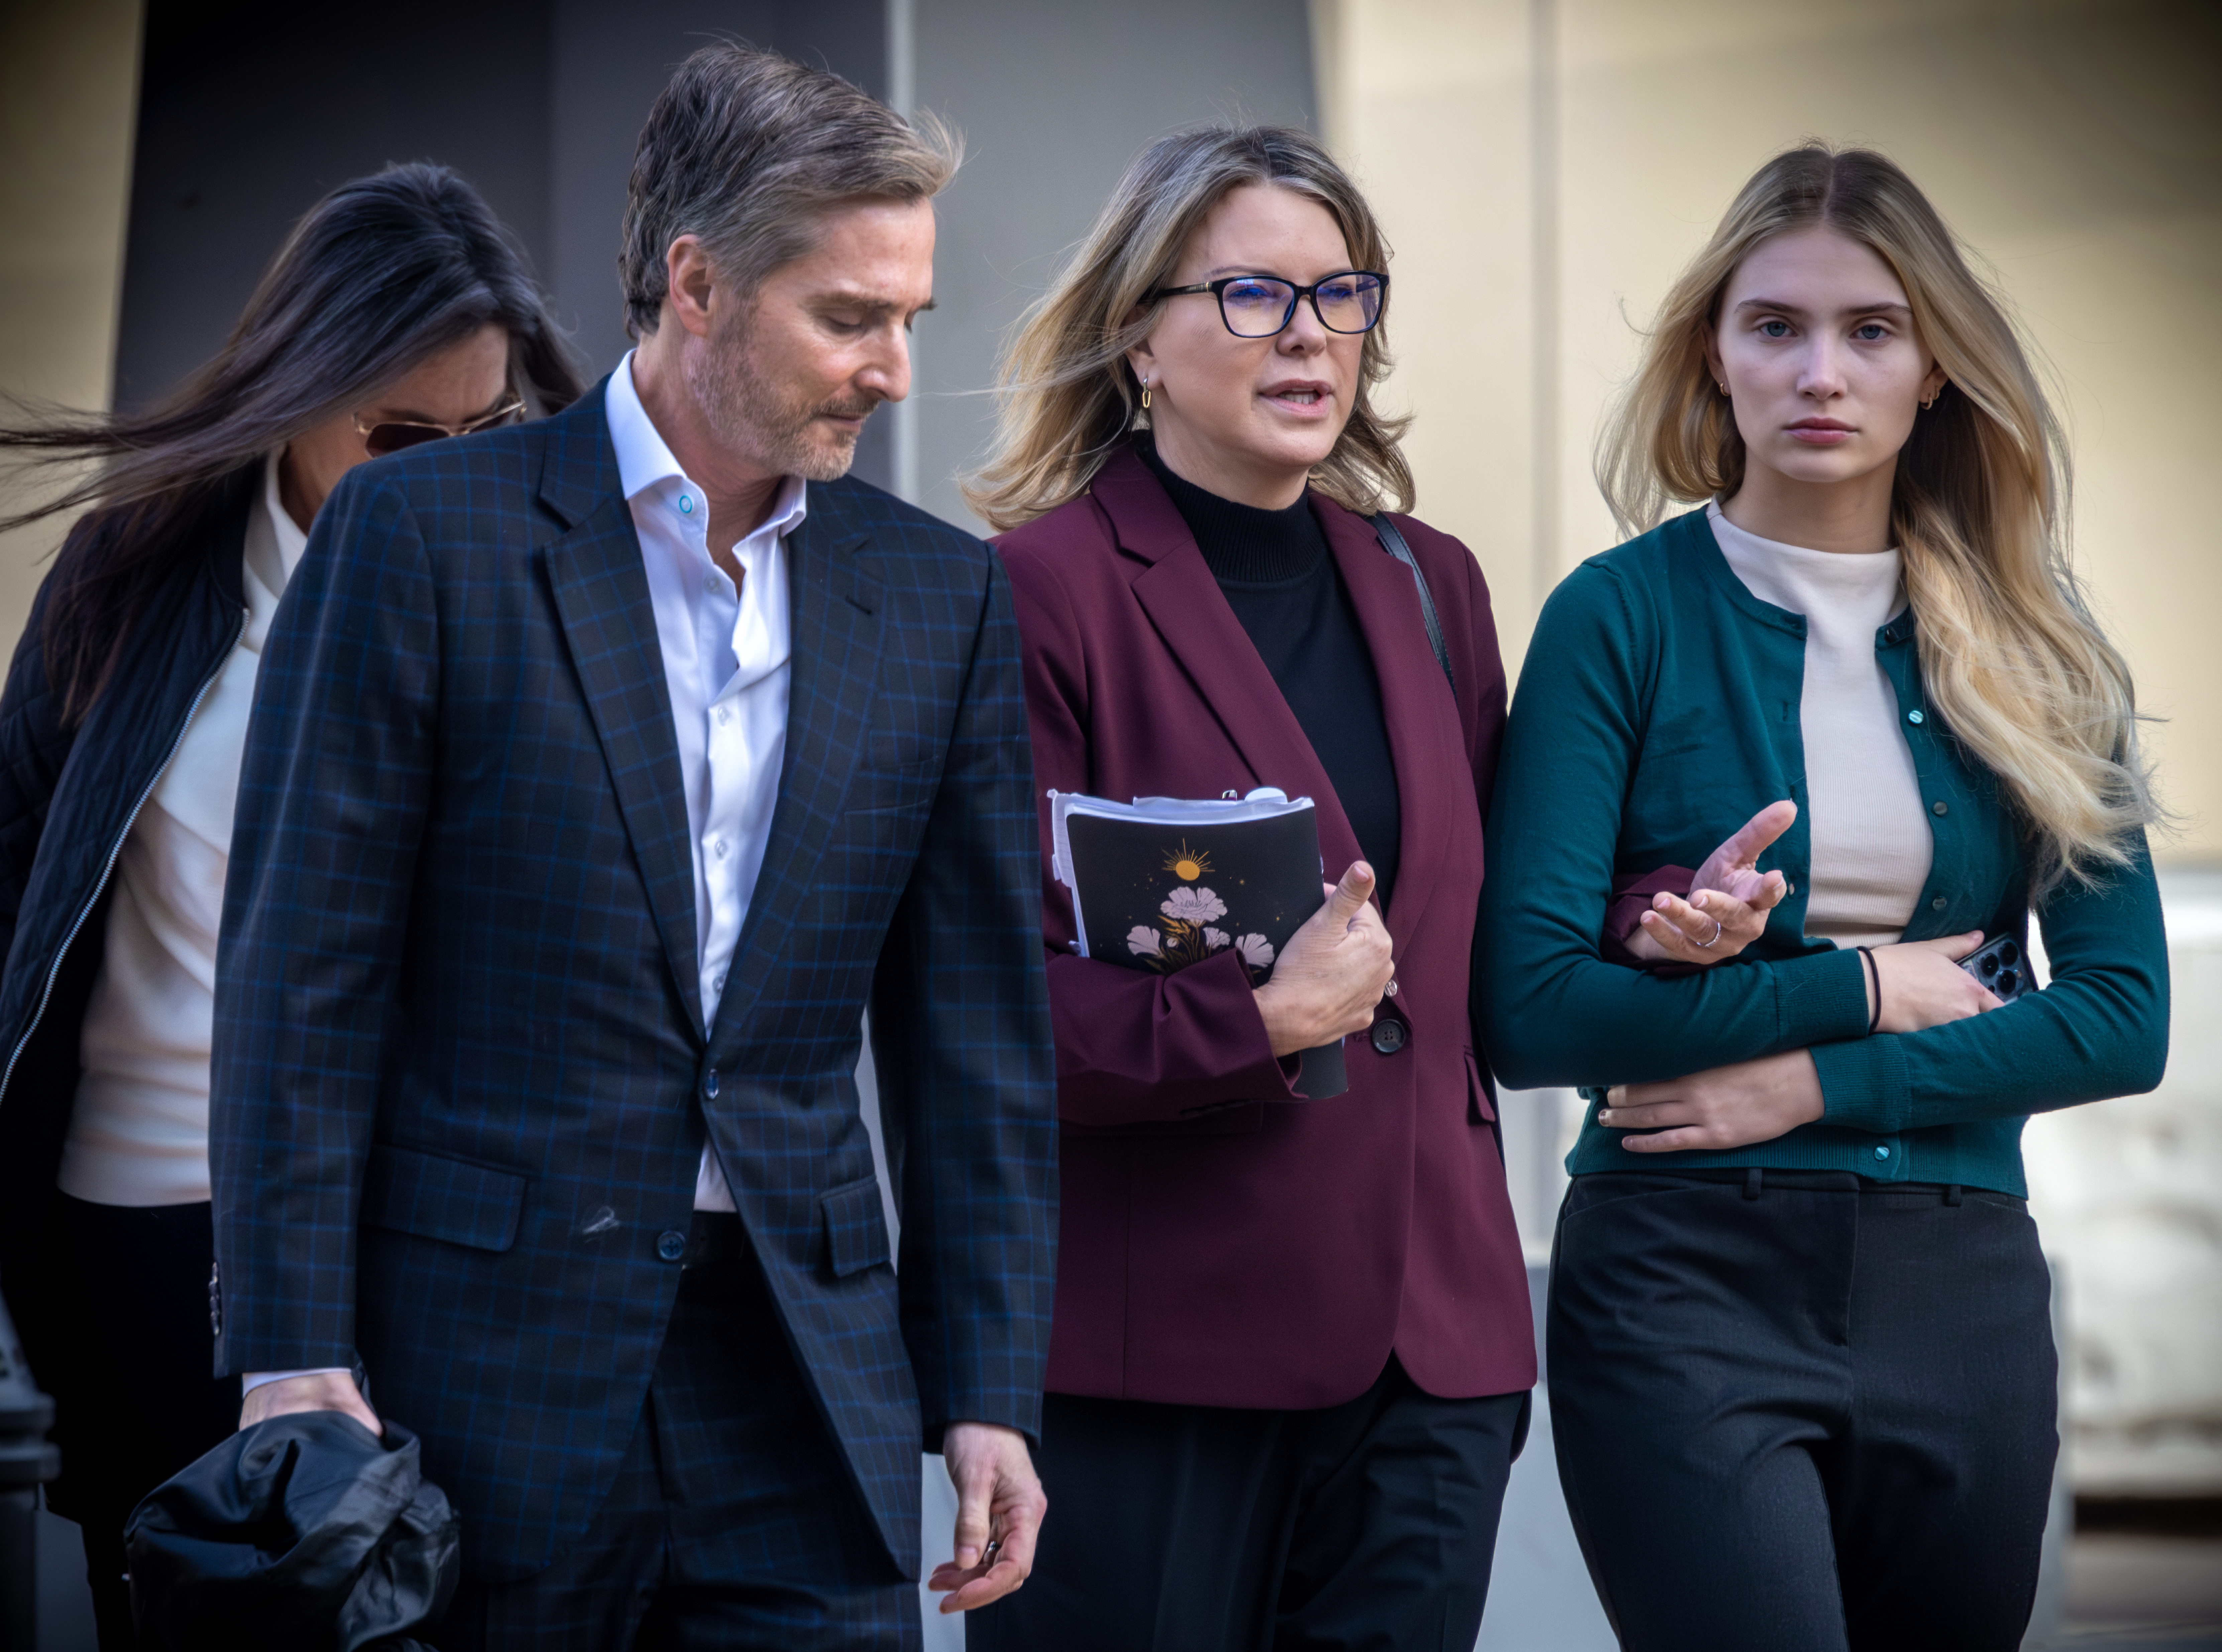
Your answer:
<point x="1292" y="1346"/>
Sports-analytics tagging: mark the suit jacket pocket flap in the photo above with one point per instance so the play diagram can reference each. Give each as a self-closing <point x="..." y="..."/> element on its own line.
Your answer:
<point x="856" y="1227"/>
<point x="433" y="1197"/>
<point x="1481" y="1094"/>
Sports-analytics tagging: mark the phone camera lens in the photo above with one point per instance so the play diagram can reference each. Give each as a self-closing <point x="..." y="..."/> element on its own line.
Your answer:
<point x="2007" y="981"/>
<point x="1989" y="966"/>
<point x="2010" y="954"/>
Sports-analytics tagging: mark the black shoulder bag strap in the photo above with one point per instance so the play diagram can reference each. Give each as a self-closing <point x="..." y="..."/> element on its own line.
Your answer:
<point x="1393" y="543"/>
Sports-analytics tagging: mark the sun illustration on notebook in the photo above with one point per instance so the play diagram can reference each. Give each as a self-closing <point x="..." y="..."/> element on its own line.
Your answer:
<point x="1186" y="932"/>
<point x="1186" y="863"/>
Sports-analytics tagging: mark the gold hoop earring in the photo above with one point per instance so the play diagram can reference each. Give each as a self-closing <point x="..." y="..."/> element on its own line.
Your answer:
<point x="1724" y="387"/>
<point x="1145" y="395"/>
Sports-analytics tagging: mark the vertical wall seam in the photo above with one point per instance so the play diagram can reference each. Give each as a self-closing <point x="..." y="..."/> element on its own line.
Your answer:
<point x="1543" y="322"/>
<point x="123" y="204"/>
<point x="902" y="96"/>
<point x="1331" y="92"/>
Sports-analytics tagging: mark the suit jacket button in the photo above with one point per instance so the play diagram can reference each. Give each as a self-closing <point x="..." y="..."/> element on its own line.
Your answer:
<point x="671" y="1245"/>
<point x="710" y="1084"/>
<point x="1389" y="1034"/>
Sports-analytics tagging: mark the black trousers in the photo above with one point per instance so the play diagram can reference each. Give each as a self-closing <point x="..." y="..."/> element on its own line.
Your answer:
<point x="117" y="1331"/>
<point x="1799" y="1412"/>
<point x="733" y="1523"/>
<point x="1202" y="1528"/>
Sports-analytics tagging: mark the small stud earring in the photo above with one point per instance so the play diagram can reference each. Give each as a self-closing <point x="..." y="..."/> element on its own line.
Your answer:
<point x="1145" y="395"/>
<point x="1724" y="386"/>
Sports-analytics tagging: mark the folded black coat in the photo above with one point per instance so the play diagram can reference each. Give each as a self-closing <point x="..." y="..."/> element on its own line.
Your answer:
<point x="305" y="1531"/>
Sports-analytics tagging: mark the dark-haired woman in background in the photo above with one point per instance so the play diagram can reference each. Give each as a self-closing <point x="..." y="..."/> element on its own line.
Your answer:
<point x="399" y="311"/>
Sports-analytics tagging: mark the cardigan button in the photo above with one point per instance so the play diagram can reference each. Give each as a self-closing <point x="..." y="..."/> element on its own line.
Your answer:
<point x="1915" y="716"/>
<point x="1389" y="1035"/>
<point x="1938" y="905"/>
<point x="1940" y="807"/>
<point x="1882" y="1151"/>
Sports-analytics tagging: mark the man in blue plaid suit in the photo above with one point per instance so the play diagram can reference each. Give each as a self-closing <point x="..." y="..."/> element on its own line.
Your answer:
<point x="601" y="770"/>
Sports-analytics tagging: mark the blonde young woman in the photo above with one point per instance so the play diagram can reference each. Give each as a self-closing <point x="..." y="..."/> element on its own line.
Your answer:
<point x="1801" y="1374"/>
<point x="1291" y="1350"/>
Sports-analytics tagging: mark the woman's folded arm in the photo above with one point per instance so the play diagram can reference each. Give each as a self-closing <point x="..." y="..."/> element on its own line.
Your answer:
<point x="2099" y="1030"/>
<point x="1553" y="1010"/>
<point x="1136" y="1047"/>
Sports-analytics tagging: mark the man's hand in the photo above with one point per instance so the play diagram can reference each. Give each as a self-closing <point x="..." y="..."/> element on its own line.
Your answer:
<point x="1729" y="898"/>
<point x="1723" y="1107"/>
<point x="1000" y="1507"/>
<point x="320" y="1391"/>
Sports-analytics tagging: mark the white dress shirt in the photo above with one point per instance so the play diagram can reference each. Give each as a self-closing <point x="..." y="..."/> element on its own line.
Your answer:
<point x="726" y="663"/>
<point x="1871" y="844"/>
<point x="138" y="1130"/>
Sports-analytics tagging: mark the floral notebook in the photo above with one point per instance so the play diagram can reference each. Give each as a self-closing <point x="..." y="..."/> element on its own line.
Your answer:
<point x="1164" y="883"/>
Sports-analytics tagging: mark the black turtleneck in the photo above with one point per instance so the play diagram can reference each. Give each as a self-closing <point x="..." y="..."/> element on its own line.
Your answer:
<point x="1281" y="580"/>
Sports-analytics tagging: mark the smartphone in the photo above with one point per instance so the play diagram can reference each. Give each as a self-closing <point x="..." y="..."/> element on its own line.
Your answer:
<point x="2001" y="966"/>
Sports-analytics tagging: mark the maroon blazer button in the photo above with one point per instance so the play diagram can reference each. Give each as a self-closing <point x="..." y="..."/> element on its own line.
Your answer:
<point x="1389" y="1034"/>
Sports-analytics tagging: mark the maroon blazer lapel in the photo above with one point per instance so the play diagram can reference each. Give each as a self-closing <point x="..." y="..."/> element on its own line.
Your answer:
<point x="1184" y="603"/>
<point x="1425" y="739"/>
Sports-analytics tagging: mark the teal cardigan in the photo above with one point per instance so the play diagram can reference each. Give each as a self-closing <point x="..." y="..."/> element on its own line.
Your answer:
<point x="1657" y="711"/>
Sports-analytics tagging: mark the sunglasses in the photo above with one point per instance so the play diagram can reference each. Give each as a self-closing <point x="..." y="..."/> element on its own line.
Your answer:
<point x="394" y="435"/>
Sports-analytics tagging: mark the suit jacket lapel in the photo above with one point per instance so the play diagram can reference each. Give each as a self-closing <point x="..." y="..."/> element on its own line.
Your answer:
<point x="600" y="592"/>
<point x="1425" y="738"/>
<point x="1185" y="604"/>
<point x="837" y="634"/>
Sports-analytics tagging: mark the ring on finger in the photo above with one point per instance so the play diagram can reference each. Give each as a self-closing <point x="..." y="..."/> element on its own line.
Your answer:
<point x="1719" y="929"/>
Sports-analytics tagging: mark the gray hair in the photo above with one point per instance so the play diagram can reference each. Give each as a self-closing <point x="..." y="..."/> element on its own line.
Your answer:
<point x="747" y="149"/>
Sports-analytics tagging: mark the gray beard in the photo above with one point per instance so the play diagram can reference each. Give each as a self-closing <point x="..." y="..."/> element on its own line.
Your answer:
<point x="745" y="408"/>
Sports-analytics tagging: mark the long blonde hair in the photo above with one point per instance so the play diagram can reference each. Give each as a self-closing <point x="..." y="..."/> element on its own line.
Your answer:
<point x="1069" y="398"/>
<point x="2010" y="655"/>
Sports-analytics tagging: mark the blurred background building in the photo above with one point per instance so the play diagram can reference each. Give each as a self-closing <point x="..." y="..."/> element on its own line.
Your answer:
<point x="1543" y="167"/>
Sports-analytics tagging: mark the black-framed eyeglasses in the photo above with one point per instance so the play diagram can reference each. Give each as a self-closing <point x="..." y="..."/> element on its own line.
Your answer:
<point x="1258" y="306"/>
<point x="394" y="435"/>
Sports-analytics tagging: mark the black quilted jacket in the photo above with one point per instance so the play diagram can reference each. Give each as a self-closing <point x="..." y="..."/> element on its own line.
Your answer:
<point x="67" y="799"/>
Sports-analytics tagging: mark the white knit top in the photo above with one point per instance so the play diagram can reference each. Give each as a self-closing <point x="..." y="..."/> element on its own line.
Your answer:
<point x="1863" y="808"/>
<point x="138" y="1135"/>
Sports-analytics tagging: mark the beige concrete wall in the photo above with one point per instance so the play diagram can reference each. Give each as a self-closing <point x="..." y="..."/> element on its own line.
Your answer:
<point x="1545" y="166"/>
<point x="68" y="84"/>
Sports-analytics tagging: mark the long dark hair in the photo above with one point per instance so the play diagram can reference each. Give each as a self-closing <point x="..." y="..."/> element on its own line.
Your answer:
<point x="381" y="274"/>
